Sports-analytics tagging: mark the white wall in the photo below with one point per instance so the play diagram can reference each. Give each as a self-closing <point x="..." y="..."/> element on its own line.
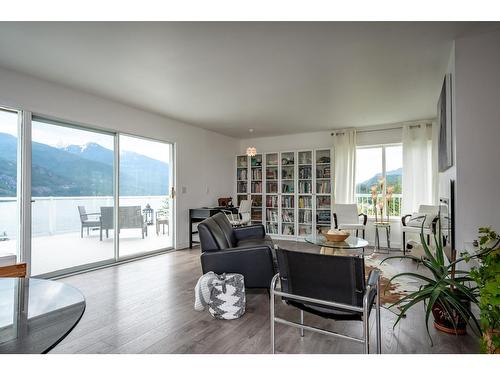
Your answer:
<point x="477" y="132"/>
<point x="203" y="158"/>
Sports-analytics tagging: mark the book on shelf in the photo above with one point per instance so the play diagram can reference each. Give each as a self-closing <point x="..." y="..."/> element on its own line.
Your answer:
<point x="323" y="202"/>
<point x="287" y="187"/>
<point x="272" y="215"/>
<point x="305" y="217"/>
<point x="305" y="187"/>
<point x="272" y="187"/>
<point x="272" y="201"/>
<point x="241" y="174"/>
<point x="287" y="217"/>
<point x="305" y="202"/>
<point x="323" y="217"/>
<point x="305" y="172"/>
<point x="242" y="187"/>
<point x="287" y="201"/>
<point x="257" y="187"/>
<point x="256" y="174"/>
<point x="323" y="171"/>
<point x="323" y="187"/>
<point x="272" y="228"/>
<point x="272" y="173"/>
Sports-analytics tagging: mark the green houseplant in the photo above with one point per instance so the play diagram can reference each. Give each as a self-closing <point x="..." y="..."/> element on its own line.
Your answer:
<point x="487" y="277"/>
<point x="446" y="292"/>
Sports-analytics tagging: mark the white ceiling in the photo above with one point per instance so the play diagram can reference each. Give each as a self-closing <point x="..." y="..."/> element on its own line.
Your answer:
<point x="275" y="77"/>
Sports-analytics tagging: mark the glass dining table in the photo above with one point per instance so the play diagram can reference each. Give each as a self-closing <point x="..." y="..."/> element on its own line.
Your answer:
<point x="36" y="314"/>
<point x="345" y="247"/>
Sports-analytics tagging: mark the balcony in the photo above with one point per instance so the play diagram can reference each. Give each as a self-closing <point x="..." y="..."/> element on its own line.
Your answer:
<point x="365" y="204"/>
<point x="56" y="242"/>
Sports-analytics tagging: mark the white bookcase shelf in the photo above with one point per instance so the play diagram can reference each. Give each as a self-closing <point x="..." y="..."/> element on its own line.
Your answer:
<point x="291" y="191"/>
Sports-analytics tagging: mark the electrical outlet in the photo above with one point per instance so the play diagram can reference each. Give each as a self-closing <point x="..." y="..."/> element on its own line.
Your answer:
<point x="184" y="190"/>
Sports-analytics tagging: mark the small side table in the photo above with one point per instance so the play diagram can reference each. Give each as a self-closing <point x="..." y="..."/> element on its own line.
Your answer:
<point x="382" y="225"/>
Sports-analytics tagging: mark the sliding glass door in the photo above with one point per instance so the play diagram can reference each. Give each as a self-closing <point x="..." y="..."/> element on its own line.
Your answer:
<point x="72" y="176"/>
<point x="77" y="174"/>
<point x="145" y="209"/>
<point x="9" y="207"/>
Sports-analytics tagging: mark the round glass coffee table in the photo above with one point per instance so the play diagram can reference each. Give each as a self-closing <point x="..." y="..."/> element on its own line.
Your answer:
<point x="36" y="314"/>
<point x="332" y="248"/>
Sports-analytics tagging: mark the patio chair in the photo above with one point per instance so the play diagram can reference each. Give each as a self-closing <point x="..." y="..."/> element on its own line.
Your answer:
<point x="86" y="222"/>
<point x="129" y="217"/>
<point x="162" y="220"/>
<point x="243" y="216"/>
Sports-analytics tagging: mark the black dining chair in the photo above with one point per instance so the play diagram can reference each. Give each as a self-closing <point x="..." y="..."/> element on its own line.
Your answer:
<point x="332" y="287"/>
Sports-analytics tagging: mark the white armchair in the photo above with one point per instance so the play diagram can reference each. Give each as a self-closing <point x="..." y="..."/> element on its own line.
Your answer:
<point x="243" y="216"/>
<point x="412" y="223"/>
<point x="346" y="217"/>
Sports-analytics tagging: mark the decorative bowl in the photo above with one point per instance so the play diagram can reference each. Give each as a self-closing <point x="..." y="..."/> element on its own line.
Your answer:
<point x="336" y="236"/>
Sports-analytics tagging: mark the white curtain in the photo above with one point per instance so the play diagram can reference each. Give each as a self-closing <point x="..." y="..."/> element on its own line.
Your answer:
<point x="419" y="166"/>
<point x="345" y="165"/>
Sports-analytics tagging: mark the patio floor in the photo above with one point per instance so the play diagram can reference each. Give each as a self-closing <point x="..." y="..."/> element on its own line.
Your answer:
<point x="52" y="253"/>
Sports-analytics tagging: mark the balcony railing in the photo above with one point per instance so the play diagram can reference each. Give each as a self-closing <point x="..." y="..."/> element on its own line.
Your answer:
<point x="58" y="215"/>
<point x="365" y="204"/>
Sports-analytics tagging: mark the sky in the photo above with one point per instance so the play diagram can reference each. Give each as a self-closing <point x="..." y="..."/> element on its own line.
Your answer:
<point x="60" y="136"/>
<point x="369" y="161"/>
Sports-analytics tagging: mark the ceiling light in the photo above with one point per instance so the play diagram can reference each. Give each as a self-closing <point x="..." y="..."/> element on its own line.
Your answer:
<point x="251" y="151"/>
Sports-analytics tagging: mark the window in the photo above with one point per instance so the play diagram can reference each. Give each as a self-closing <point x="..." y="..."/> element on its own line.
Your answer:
<point x="375" y="165"/>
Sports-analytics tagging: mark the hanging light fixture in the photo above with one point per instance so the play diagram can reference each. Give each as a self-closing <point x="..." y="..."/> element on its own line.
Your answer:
<point x="251" y="151"/>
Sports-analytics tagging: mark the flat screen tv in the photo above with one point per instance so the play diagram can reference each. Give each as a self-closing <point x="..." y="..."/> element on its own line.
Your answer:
<point x="447" y="216"/>
<point x="444" y="116"/>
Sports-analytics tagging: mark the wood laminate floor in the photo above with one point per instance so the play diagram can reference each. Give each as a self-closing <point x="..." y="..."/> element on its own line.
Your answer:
<point x="146" y="306"/>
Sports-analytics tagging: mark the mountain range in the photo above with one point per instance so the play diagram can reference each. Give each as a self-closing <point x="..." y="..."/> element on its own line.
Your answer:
<point x="81" y="170"/>
<point x="394" y="178"/>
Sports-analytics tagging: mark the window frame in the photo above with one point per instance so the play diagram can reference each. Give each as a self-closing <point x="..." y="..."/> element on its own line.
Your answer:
<point x="382" y="146"/>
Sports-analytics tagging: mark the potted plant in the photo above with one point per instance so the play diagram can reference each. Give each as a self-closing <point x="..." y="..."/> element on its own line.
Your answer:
<point x="487" y="277"/>
<point x="446" y="292"/>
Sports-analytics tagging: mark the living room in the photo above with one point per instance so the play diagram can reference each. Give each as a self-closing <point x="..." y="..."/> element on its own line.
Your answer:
<point x="309" y="187"/>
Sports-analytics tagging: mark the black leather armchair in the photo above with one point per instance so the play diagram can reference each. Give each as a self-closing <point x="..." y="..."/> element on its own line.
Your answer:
<point x="246" y="250"/>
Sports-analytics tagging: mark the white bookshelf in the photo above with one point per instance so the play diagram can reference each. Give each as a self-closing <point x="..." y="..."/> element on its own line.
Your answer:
<point x="291" y="191"/>
<point x="323" y="177"/>
<point x="242" y="176"/>
<point x="272" y="189"/>
<point x="257" y="187"/>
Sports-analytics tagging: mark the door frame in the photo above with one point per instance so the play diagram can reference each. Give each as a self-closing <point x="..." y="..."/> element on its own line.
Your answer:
<point x="25" y="199"/>
<point x="172" y="229"/>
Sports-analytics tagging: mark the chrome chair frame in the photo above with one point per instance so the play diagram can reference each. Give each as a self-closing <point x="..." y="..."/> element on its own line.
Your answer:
<point x="365" y="340"/>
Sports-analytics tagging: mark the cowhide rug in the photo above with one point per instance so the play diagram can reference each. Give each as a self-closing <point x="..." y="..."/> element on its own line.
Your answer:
<point x="390" y="291"/>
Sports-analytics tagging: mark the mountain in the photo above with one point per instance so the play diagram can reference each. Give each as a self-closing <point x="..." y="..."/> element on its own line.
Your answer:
<point x="394" y="178"/>
<point x="91" y="151"/>
<point x="81" y="171"/>
<point x="139" y="174"/>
